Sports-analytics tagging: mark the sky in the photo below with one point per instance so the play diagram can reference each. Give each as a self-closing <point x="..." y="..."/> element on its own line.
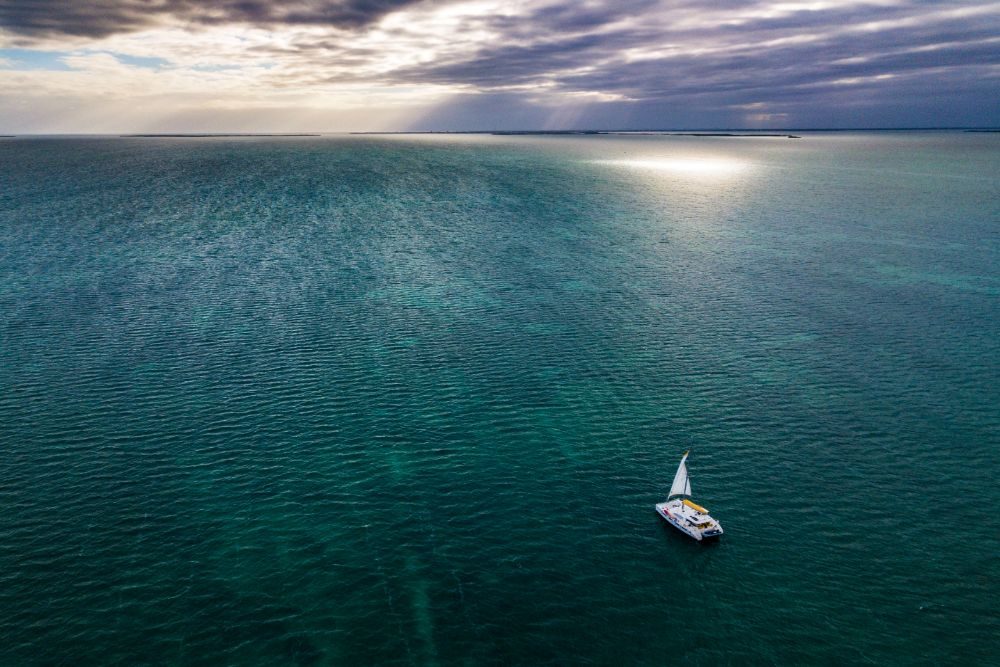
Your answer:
<point x="110" y="66"/>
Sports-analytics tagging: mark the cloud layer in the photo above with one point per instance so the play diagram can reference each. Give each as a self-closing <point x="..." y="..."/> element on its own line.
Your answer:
<point x="100" y="18"/>
<point x="487" y="64"/>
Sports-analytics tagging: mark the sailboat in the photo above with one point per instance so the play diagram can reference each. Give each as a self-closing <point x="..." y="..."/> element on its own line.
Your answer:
<point x="682" y="513"/>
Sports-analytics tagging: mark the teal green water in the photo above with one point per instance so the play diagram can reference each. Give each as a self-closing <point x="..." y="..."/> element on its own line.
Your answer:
<point x="410" y="400"/>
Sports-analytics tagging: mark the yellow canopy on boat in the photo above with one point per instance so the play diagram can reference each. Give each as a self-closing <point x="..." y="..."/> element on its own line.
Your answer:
<point x="693" y="506"/>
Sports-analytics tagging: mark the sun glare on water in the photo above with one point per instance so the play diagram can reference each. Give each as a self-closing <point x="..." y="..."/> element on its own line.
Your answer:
<point x="687" y="166"/>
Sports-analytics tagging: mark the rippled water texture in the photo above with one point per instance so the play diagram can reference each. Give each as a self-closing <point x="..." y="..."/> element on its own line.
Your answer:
<point x="410" y="400"/>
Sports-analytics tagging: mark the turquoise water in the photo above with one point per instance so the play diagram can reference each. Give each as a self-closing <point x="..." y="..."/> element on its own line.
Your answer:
<point x="410" y="400"/>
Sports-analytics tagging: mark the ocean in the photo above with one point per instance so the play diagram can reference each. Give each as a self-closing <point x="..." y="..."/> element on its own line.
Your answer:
<point x="410" y="399"/>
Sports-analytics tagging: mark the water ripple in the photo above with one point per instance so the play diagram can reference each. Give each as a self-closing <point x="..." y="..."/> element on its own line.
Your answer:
<point x="367" y="401"/>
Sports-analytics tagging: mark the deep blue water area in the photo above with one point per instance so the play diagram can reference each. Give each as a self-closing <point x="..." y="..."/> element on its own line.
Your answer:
<point x="411" y="399"/>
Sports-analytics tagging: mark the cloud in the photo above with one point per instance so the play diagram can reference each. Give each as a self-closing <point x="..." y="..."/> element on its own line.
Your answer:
<point x="525" y="63"/>
<point x="652" y="56"/>
<point x="101" y="18"/>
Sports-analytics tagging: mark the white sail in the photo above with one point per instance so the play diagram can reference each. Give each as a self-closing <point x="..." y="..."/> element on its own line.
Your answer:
<point x="682" y="483"/>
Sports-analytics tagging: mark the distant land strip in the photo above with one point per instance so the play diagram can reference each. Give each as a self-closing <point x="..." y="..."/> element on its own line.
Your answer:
<point x="231" y="134"/>
<point x="712" y="134"/>
<point x="504" y="133"/>
<point x="660" y="134"/>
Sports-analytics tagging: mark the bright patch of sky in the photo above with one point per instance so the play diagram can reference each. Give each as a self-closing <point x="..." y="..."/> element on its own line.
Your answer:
<point x="31" y="59"/>
<point x="150" y="62"/>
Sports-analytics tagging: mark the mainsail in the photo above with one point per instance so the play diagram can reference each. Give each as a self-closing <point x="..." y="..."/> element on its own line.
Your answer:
<point x="682" y="483"/>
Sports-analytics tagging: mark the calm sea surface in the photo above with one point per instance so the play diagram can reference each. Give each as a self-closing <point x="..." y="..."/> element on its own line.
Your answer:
<point x="410" y="400"/>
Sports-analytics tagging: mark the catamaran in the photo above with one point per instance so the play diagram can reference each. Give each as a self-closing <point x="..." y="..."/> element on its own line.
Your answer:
<point x="682" y="513"/>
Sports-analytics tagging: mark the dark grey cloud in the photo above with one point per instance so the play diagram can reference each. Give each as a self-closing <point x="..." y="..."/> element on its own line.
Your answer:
<point x="703" y="55"/>
<point x="799" y="64"/>
<point x="100" y="18"/>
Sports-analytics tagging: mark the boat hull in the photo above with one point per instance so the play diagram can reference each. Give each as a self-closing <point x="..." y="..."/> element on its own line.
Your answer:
<point x="680" y="524"/>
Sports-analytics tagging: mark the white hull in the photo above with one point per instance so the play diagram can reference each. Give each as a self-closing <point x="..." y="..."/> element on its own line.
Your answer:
<point x="693" y="523"/>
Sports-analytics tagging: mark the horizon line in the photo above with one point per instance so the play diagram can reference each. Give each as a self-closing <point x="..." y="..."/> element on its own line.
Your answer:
<point x="305" y="133"/>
